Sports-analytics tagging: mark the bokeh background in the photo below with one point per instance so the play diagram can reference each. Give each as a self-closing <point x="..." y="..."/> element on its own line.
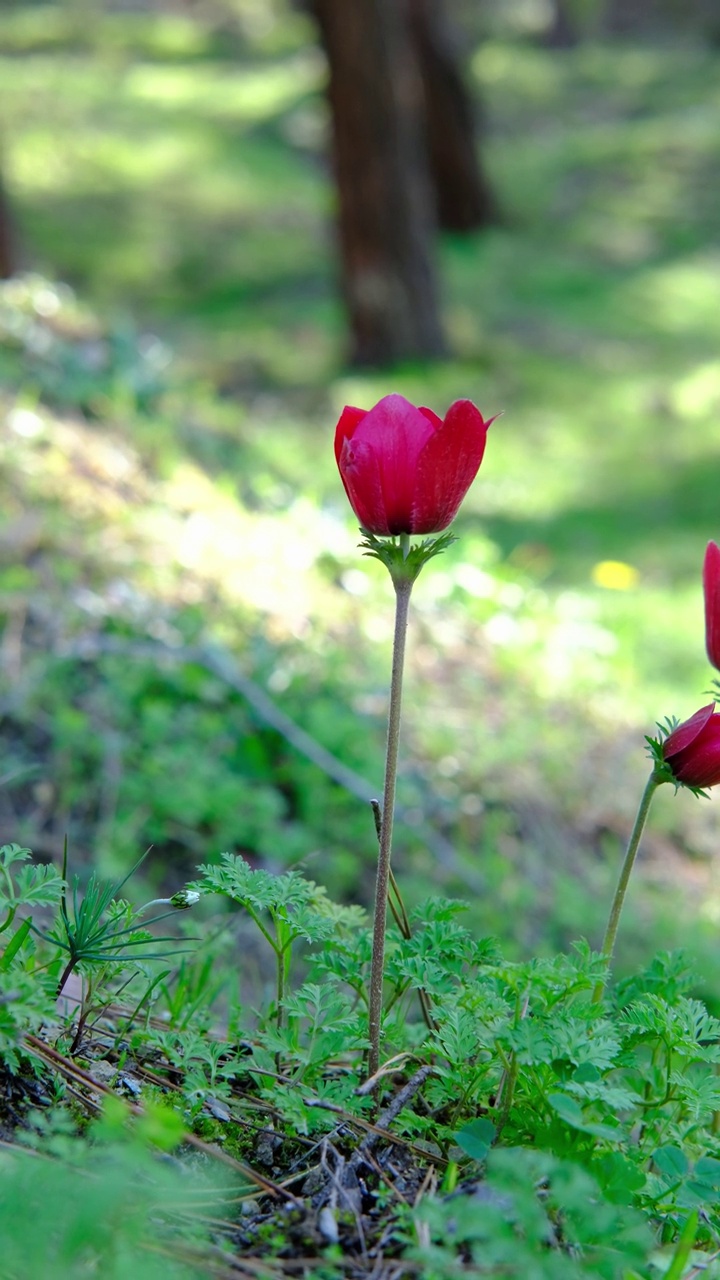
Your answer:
<point x="194" y="655"/>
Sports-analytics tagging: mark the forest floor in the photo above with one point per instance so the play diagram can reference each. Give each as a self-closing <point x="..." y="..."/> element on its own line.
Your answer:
<point x="195" y="657"/>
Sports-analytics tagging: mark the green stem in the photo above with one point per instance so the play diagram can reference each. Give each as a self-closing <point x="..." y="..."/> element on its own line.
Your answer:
<point x="8" y="919"/>
<point x="608" y="945"/>
<point x="283" y="980"/>
<point x="398" y="908"/>
<point x="279" y="947"/>
<point x="508" y="1093"/>
<point x="283" y="955"/>
<point x="403" y="590"/>
<point x="265" y="932"/>
<point x="280" y="989"/>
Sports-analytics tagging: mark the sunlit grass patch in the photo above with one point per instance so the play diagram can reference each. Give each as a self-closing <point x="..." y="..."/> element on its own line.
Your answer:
<point x="246" y="94"/>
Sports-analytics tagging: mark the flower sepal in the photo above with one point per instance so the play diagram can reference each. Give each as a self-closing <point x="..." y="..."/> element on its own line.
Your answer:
<point x="656" y="746"/>
<point x="402" y="560"/>
<point x="184" y="899"/>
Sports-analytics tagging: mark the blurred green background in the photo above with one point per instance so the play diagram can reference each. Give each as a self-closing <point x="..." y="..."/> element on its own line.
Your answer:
<point x="172" y="364"/>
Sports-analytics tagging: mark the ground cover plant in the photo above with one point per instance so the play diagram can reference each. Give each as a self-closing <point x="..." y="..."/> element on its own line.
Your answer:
<point x="406" y="1101"/>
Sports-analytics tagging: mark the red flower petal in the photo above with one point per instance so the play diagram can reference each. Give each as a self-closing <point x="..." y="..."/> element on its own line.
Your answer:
<point x="699" y="764"/>
<point x="431" y="416"/>
<point x="349" y="419"/>
<point x="687" y="732"/>
<point x="360" y="473"/>
<point x="693" y="749"/>
<point x="447" y="467"/>
<point x="381" y="465"/>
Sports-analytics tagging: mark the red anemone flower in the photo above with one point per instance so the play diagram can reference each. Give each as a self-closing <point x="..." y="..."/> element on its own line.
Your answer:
<point x="711" y="587"/>
<point x="406" y="470"/>
<point x="693" y="749"/>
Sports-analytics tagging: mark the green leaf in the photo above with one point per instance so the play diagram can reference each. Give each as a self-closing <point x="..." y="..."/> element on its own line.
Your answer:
<point x="15" y="944"/>
<point x="708" y="1169"/>
<point x="571" y="1112"/>
<point x="39" y="885"/>
<point x="671" y="1161"/>
<point x="702" y="1185"/>
<point x="586" y="1073"/>
<point x="619" y="1177"/>
<point x="10" y="853"/>
<point x="476" y="1138"/>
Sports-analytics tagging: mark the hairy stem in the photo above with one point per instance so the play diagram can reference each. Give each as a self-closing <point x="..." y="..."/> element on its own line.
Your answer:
<point x="608" y="945"/>
<point x="402" y="605"/>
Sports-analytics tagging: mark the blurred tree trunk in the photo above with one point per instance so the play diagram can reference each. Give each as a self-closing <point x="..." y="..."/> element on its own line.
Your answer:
<point x="562" y="32"/>
<point x="463" y="195"/>
<point x="661" y="17"/>
<point x="7" y="247"/>
<point x="386" y="208"/>
<point x="628" y="17"/>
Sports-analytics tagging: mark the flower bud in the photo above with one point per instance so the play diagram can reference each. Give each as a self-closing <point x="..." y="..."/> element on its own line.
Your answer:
<point x="692" y="750"/>
<point x="405" y="470"/>
<point x="184" y="898"/>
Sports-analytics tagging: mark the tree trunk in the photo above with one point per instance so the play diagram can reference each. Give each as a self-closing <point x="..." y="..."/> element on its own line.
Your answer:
<point x="464" y="198"/>
<point x="385" y="201"/>
<point x="562" y="32"/>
